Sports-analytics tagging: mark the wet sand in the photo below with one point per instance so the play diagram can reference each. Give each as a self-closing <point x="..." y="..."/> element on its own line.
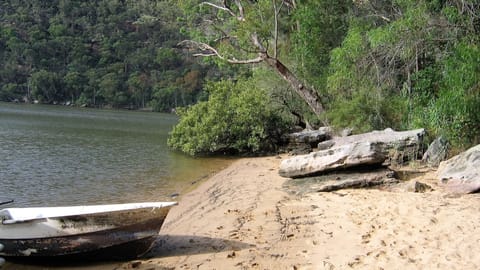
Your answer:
<point x="244" y="217"/>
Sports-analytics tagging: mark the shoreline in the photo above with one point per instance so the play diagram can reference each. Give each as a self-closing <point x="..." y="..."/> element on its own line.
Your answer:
<point x="244" y="217"/>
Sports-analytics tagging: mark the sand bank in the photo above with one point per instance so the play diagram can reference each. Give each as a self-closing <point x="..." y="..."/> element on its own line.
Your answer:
<point x="244" y="218"/>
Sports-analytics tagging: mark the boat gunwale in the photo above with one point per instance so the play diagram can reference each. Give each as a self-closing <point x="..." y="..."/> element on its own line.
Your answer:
<point x="10" y="216"/>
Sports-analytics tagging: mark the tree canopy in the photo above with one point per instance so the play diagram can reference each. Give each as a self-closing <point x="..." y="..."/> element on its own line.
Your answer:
<point x="359" y="64"/>
<point x="372" y="64"/>
<point x="118" y="53"/>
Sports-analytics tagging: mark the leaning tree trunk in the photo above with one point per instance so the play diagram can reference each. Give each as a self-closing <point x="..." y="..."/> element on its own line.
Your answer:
<point x="309" y="95"/>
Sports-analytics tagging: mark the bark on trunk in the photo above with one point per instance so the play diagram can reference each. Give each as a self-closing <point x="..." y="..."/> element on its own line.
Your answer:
<point x="310" y="96"/>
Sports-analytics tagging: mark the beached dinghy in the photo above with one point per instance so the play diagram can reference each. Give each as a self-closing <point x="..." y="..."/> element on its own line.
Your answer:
<point x="120" y="229"/>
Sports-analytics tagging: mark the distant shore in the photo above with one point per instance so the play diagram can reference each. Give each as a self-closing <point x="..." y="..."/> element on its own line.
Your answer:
<point x="244" y="218"/>
<point x="90" y="106"/>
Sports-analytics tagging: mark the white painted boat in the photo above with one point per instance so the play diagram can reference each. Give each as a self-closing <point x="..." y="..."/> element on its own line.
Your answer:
<point x="120" y="229"/>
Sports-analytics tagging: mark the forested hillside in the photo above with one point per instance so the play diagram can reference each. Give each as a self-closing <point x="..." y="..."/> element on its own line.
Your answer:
<point x="360" y="64"/>
<point x="117" y="53"/>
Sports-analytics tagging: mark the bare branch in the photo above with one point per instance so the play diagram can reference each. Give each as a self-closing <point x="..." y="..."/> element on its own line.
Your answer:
<point x="208" y="51"/>
<point x="290" y="4"/>
<point x="257" y="43"/>
<point x="380" y="16"/>
<point x="275" y="31"/>
<point x="224" y="8"/>
<point x="256" y="60"/>
<point x="240" y="10"/>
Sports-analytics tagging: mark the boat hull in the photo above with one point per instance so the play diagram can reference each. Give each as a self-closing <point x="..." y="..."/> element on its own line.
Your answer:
<point x="124" y="234"/>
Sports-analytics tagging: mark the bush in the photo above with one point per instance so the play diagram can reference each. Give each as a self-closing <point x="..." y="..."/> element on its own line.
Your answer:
<point x="10" y="92"/>
<point x="237" y="118"/>
<point x="454" y="111"/>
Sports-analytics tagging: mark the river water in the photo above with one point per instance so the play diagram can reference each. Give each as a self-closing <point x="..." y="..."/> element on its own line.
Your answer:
<point x="54" y="155"/>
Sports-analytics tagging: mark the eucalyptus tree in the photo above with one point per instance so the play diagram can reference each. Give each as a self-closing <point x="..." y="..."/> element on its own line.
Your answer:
<point x="247" y="32"/>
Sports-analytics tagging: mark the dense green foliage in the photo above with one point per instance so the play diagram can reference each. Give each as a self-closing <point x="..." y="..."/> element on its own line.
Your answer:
<point x="375" y="64"/>
<point x="321" y="27"/>
<point x="409" y="64"/>
<point x="119" y="53"/>
<point x="237" y="118"/>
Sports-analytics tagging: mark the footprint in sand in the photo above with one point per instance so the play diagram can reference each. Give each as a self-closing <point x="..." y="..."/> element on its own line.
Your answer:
<point x="234" y="234"/>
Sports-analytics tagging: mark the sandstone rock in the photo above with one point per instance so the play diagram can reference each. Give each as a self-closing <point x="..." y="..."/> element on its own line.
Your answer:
<point x="338" y="157"/>
<point x="436" y="152"/>
<point x="360" y="180"/>
<point x="355" y="178"/>
<point x="299" y="149"/>
<point x="461" y="174"/>
<point x="312" y="137"/>
<point x="415" y="186"/>
<point x="302" y="142"/>
<point x="325" y="145"/>
<point x="399" y="146"/>
<point x="346" y="132"/>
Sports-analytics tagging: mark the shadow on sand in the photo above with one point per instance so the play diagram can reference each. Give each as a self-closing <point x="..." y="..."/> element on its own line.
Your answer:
<point x="183" y="245"/>
<point x="164" y="246"/>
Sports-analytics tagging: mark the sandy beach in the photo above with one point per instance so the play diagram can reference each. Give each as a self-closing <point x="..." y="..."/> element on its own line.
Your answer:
<point x="244" y="217"/>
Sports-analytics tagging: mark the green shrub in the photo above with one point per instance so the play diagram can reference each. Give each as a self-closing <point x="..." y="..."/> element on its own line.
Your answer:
<point x="237" y="118"/>
<point x="458" y="104"/>
<point x="453" y="110"/>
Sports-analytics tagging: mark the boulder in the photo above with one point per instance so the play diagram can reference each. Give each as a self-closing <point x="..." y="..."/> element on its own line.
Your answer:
<point x="302" y="142"/>
<point x="312" y="137"/>
<point x="346" y="132"/>
<point x="299" y="149"/>
<point x="338" y="157"/>
<point x="436" y="152"/>
<point x="325" y="145"/>
<point x="461" y="174"/>
<point x="411" y="186"/>
<point x="399" y="146"/>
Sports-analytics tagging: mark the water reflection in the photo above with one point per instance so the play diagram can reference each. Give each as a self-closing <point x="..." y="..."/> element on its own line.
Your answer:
<point x="52" y="155"/>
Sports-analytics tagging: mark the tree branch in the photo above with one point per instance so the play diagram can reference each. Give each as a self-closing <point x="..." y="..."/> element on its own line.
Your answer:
<point x="275" y="33"/>
<point x="257" y="43"/>
<point x="240" y="10"/>
<point x="208" y="51"/>
<point x="380" y="16"/>
<point x="224" y="8"/>
<point x="227" y="9"/>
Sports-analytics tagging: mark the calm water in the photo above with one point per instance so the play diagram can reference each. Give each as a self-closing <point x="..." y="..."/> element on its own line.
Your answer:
<point x="53" y="155"/>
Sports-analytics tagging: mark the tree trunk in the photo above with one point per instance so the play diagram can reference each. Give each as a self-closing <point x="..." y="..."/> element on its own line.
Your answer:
<point x="308" y="94"/>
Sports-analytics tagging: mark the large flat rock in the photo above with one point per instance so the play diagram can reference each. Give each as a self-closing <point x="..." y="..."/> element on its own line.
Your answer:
<point x="340" y="157"/>
<point x="461" y="174"/>
<point x="398" y="146"/>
